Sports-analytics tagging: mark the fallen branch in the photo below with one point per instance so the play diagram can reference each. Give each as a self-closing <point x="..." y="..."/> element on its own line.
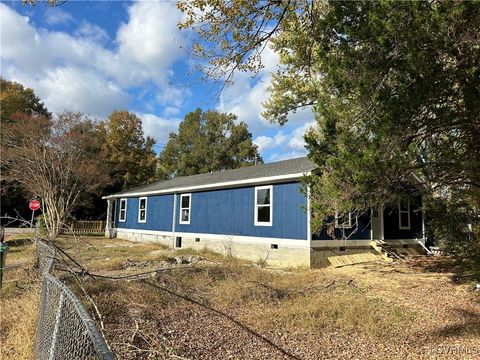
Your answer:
<point x="229" y="317"/>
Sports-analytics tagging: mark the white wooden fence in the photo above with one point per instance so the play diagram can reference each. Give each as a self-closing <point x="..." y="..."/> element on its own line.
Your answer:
<point x="86" y="228"/>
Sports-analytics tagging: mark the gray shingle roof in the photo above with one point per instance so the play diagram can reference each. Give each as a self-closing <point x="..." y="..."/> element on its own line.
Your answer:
<point x="286" y="167"/>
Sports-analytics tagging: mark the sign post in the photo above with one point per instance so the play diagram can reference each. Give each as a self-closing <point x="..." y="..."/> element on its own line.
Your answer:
<point x="3" y="253"/>
<point x="33" y="205"/>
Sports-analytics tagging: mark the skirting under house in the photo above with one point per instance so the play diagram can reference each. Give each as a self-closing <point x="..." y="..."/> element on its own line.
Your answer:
<point x="259" y="213"/>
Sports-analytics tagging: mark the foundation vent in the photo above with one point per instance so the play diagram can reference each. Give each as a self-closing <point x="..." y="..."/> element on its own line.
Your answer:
<point x="178" y="242"/>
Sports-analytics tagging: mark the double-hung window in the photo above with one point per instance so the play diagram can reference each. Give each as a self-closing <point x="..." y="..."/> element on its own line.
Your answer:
<point x="142" y="210"/>
<point x="343" y="220"/>
<point x="404" y="215"/>
<point x="263" y="205"/>
<point x="122" y="213"/>
<point x="185" y="207"/>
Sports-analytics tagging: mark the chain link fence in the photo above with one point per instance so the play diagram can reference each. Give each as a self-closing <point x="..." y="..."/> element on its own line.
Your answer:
<point x="65" y="330"/>
<point x="44" y="256"/>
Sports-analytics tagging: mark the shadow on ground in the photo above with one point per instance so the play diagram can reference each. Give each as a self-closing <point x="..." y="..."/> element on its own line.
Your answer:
<point x="468" y="324"/>
<point x="18" y="242"/>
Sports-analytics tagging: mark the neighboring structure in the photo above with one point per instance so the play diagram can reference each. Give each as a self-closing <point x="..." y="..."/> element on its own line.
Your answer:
<point x="257" y="212"/>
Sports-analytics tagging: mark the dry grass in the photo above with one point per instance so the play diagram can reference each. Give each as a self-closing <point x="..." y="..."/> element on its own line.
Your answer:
<point x="293" y="300"/>
<point x="19" y="298"/>
<point x="370" y="306"/>
<point x="19" y="319"/>
<point x="222" y="307"/>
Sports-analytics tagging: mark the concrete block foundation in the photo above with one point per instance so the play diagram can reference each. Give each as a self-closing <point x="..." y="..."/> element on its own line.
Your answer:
<point x="277" y="255"/>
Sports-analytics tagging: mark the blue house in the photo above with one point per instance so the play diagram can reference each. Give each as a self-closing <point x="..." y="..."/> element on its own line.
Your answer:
<point x="257" y="213"/>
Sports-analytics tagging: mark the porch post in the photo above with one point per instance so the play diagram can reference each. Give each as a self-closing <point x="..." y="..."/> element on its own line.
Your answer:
<point x="108" y="227"/>
<point x="382" y="224"/>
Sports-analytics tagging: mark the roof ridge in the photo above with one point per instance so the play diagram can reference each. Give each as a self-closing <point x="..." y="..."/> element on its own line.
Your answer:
<point x="277" y="168"/>
<point x="253" y="165"/>
<point x="230" y="170"/>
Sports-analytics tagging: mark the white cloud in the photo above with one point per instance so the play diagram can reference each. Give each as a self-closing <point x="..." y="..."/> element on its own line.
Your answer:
<point x="297" y="141"/>
<point x="284" y="145"/>
<point x="245" y="100"/>
<point x="66" y="72"/>
<point x="278" y="156"/>
<point x="270" y="61"/>
<point x="171" y="111"/>
<point x="151" y="38"/>
<point x="266" y="142"/>
<point x="91" y="31"/>
<point x="246" y="96"/>
<point x="18" y="38"/>
<point x="77" y="72"/>
<point x="158" y="127"/>
<point x="72" y="89"/>
<point x="170" y="95"/>
<point x="263" y="142"/>
<point x="56" y="16"/>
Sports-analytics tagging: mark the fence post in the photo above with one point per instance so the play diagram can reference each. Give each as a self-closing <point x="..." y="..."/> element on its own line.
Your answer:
<point x="58" y="318"/>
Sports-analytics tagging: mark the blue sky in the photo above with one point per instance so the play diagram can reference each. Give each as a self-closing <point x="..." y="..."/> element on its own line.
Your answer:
<point x="98" y="56"/>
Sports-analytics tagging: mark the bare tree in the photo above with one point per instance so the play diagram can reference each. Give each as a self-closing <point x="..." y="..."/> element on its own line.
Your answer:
<point x="54" y="158"/>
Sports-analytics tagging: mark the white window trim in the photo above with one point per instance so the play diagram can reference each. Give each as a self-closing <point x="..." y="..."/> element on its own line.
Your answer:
<point x="255" y="206"/>
<point x="120" y="210"/>
<point x="189" y="209"/>
<point x="400" y="211"/>
<point x="146" y="207"/>
<point x="343" y="226"/>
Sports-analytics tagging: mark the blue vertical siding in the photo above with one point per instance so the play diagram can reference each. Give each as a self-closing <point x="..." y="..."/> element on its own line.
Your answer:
<point x="232" y="212"/>
<point x="391" y="224"/>
<point x="225" y="212"/>
<point x="159" y="213"/>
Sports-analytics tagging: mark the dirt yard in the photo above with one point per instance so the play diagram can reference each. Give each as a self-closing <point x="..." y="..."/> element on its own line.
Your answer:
<point x="205" y="306"/>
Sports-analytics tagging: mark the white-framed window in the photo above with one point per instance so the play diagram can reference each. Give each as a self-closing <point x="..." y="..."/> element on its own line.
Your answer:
<point x="142" y="210"/>
<point x="185" y="208"/>
<point x="122" y="213"/>
<point x="343" y="220"/>
<point x="404" y="215"/>
<point x="263" y="205"/>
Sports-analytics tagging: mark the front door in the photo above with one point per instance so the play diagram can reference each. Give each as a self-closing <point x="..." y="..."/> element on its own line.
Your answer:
<point x="377" y="223"/>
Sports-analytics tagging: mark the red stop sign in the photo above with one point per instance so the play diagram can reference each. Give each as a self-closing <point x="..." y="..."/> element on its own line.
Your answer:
<point x="34" y="205"/>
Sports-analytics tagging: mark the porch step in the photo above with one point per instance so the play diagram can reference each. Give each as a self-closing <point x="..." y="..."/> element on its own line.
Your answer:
<point x="385" y="250"/>
<point x="344" y="260"/>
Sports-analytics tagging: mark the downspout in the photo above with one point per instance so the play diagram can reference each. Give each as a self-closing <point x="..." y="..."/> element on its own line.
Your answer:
<point x="423" y="219"/>
<point x="115" y="208"/>
<point x="309" y="217"/>
<point x="174" y="219"/>
<point x="382" y="225"/>
<point x="309" y="227"/>
<point x="423" y="241"/>
<point x="371" y="223"/>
